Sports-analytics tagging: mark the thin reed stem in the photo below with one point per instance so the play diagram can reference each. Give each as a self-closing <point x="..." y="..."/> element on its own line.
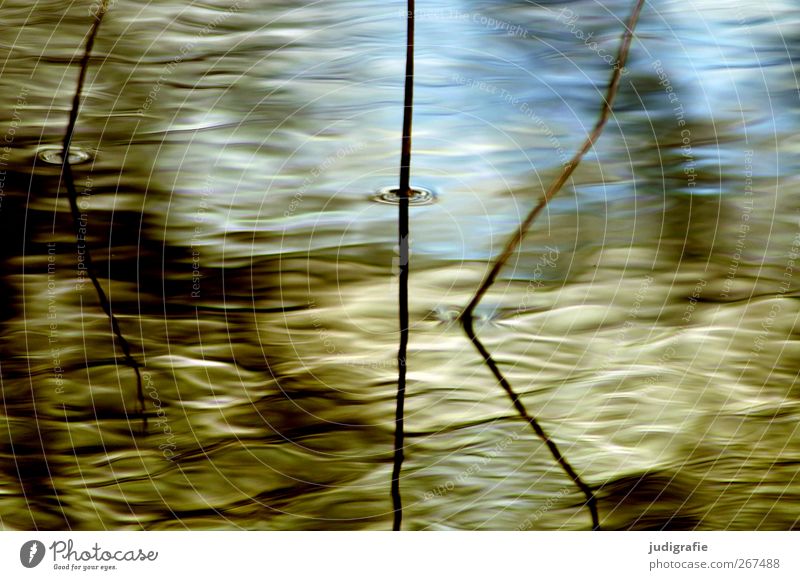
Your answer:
<point x="72" y="193"/>
<point x="605" y="112"/>
<point x="514" y="241"/>
<point x="404" y="194"/>
<point x="591" y="501"/>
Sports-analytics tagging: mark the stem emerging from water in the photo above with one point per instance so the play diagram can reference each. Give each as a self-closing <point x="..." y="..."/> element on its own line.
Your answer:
<point x="514" y="242"/>
<point x="72" y="193"/>
<point x="403" y="193"/>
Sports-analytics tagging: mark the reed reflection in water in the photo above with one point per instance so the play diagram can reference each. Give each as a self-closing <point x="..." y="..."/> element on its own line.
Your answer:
<point x="649" y="318"/>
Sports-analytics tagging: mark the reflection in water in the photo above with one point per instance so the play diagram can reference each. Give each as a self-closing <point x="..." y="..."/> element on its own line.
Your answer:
<point x="649" y="318"/>
<point x="55" y="156"/>
<point x="80" y="218"/>
<point x="516" y="239"/>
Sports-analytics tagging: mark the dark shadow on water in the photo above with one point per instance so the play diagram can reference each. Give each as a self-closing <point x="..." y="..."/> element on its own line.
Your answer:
<point x="650" y="502"/>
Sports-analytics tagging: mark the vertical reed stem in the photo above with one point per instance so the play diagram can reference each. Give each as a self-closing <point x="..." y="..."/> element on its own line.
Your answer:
<point x="403" y="193"/>
<point x="72" y="193"/>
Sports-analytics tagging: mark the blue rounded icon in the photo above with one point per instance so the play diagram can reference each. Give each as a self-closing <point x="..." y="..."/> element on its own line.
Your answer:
<point x="31" y="553"/>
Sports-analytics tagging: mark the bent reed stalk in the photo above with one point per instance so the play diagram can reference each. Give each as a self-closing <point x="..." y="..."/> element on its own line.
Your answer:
<point x="72" y="194"/>
<point x="466" y="317"/>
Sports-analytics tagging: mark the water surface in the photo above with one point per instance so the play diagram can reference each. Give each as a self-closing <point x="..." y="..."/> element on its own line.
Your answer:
<point x="650" y="319"/>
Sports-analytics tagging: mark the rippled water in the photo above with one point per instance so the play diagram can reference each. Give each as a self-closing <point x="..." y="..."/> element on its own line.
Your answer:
<point x="232" y="152"/>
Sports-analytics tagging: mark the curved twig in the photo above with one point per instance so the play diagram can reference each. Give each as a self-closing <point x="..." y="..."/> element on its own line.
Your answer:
<point x="514" y="242"/>
<point x="72" y="193"/>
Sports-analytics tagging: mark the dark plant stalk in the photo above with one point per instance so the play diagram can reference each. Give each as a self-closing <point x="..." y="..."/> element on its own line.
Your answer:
<point x="404" y="192"/>
<point x="569" y="168"/>
<point x="591" y="501"/>
<point x="72" y="193"/>
<point x="514" y="242"/>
